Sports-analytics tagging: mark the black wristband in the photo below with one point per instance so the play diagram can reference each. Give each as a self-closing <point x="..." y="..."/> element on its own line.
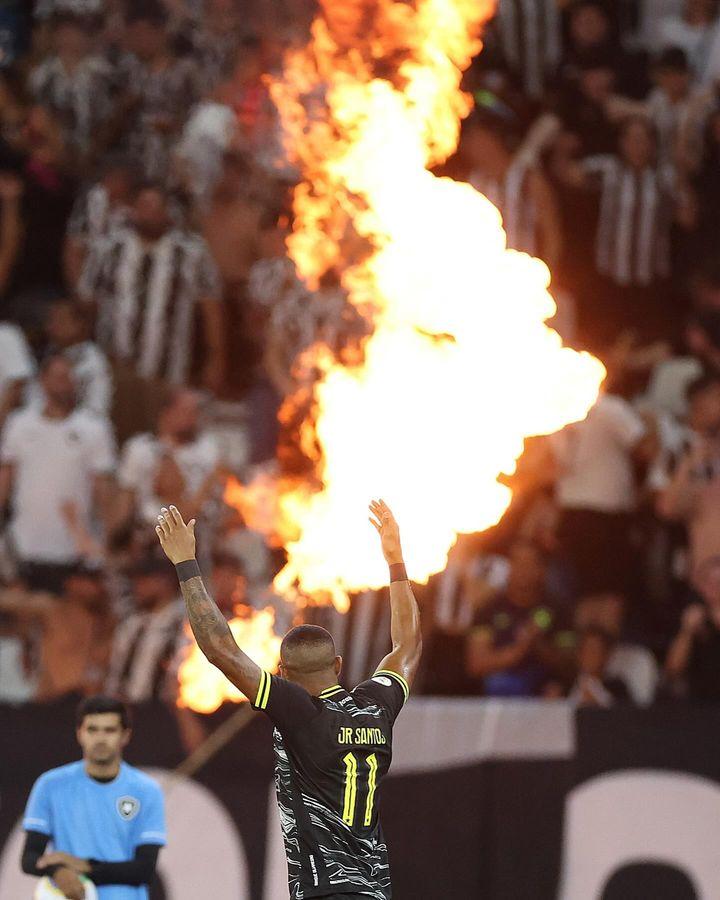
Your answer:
<point x="397" y="572"/>
<point x="187" y="570"/>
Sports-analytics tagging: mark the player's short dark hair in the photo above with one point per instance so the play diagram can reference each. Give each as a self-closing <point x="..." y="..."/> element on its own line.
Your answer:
<point x="92" y="706"/>
<point x="308" y="648"/>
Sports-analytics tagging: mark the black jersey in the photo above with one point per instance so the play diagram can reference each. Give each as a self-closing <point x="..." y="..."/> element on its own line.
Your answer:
<point x="331" y="754"/>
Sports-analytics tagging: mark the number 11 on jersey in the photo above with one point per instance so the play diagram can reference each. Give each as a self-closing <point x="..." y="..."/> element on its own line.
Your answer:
<point x="351" y="779"/>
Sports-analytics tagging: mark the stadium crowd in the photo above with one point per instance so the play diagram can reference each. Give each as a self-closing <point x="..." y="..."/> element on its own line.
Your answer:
<point x="150" y="321"/>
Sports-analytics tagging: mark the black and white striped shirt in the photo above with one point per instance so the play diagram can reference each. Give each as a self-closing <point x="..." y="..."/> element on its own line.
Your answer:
<point x="82" y="99"/>
<point x="513" y="199"/>
<point x="636" y="212"/>
<point x="147" y="296"/>
<point x="530" y="39"/>
<point x="167" y="93"/>
<point x="144" y="648"/>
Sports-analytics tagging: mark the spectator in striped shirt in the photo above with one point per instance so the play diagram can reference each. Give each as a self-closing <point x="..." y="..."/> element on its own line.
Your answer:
<point x="149" y="281"/>
<point x="214" y="35"/>
<point x="99" y="209"/>
<point x="525" y="40"/>
<point x="517" y="187"/>
<point x="162" y="88"/>
<point x="147" y="641"/>
<point x="638" y="200"/>
<point x="76" y="85"/>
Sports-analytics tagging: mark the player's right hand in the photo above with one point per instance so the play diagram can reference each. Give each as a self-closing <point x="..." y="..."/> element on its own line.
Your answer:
<point x="176" y="538"/>
<point x="69" y="883"/>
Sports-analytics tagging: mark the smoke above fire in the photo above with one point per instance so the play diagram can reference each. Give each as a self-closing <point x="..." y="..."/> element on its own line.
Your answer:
<point x="457" y="367"/>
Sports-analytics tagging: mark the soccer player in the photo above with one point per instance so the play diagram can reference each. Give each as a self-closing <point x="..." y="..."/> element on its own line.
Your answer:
<point x="104" y="818"/>
<point x="332" y="746"/>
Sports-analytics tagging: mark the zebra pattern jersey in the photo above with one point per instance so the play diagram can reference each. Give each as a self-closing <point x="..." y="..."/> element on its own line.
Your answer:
<point x="331" y="753"/>
<point x="147" y="294"/>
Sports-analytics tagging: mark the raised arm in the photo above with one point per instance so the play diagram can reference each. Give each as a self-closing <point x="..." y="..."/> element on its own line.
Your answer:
<point x="404" y="657"/>
<point x="209" y="626"/>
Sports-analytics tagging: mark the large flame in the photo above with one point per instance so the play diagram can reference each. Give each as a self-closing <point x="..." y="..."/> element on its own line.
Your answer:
<point x="459" y="367"/>
<point x="204" y="688"/>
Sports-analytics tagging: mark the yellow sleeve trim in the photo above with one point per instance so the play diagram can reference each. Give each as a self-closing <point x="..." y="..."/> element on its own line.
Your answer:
<point x="400" y="680"/>
<point x="263" y="693"/>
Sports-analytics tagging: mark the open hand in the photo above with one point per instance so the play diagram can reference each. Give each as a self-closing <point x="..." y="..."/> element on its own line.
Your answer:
<point x="384" y="523"/>
<point x="176" y="538"/>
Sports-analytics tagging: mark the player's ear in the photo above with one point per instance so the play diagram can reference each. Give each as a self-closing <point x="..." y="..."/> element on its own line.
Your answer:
<point x="338" y="665"/>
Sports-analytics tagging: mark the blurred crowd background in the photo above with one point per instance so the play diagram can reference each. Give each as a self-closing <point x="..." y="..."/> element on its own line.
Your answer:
<point x="150" y="321"/>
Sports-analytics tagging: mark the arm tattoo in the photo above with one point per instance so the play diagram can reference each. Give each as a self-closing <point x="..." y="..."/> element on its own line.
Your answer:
<point x="215" y="639"/>
<point x="207" y="622"/>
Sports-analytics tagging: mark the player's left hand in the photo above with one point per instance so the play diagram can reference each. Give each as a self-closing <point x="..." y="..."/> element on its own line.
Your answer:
<point x="382" y="519"/>
<point x="56" y="858"/>
<point x="176" y="538"/>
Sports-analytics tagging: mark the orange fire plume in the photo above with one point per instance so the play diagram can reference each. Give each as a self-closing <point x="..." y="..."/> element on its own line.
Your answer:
<point x="204" y="688"/>
<point x="459" y="366"/>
